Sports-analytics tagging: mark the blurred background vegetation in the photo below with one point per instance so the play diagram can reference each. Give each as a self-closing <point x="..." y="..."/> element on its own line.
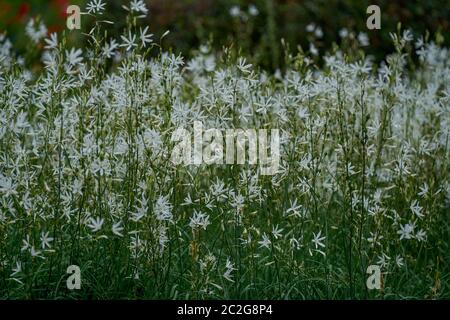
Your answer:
<point x="254" y="26"/>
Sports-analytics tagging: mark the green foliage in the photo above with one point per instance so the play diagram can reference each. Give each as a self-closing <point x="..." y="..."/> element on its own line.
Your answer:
<point x="86" y="176"/>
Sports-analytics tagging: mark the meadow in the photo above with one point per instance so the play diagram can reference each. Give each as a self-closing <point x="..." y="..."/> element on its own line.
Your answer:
<point x="87" y="179"/>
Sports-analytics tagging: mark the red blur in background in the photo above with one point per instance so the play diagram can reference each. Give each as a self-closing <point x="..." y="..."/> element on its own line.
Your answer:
<point x="17" y="13"/>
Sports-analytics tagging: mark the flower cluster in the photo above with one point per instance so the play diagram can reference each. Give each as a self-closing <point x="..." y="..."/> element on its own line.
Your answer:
<point x="86" y="176"/>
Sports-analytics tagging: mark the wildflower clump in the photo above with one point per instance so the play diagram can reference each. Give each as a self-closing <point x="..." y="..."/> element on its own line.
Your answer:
<point x="86" y="176"/>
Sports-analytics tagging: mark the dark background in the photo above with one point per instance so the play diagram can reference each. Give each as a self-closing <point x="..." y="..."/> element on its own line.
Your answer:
<point x="194" y="22"/>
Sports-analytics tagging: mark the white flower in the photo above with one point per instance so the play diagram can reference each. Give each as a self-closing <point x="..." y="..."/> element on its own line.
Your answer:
<point x="199" y="220"/>
<point x="204" y="48"/>
<point x="310" y="27"/>
<point x="163" y="209"/>
<point x="363" y="39"/>
<point x="210" y="63"/>
<point x="277" y="232"/>
<point x="96" y="6"/>
<point x="419" y="43"/>
<point x="343" y="33"/>
<point x="294" y="210"/>
<point x="312" y="48"/>
<point x="52" y="43"/>
<point x="265" y="242"/>
<point x="108" y="48"/>
<point x="383" y="260"/>
<point x="26" y="243"/>
<point x="140" y="210"/>
<point x="117" y="229"/>
<point x="318" y="32"/>
<point x="406" y="231"/>
<point x="96" y="224"/>
<point x="45" y="240"/>
<point x="7" y="186"/>
<point x="416" y="209"/>
<point x="129" y="42"/>
<point x="229" y="268"/>
<point x="237" y="201"/>
<point x="350" y="169"/>
<point x="399" y="261"/>
<point x="421" y="235"/>
<point x="35" y="34"/>
<point x="317" y="240"/>
<point x="187" y="201"/>
<point x="235" y="11"/>
<point x="253" y="10"/>
<point x="102" y="167"/>
<point x="374" y="239"/>
<point x="423" y="190"/>
<point x="302" y="113"/>
<point x="17" y="269"/>
<point x="242" y="66"/>
<point x="145" y="38"/>
<point x="219" y="191"/>
<point x="138" y="6"/>
<point x="407" y="35"/>
<point x="35" y="253"/>
<point x="74" y="56"/>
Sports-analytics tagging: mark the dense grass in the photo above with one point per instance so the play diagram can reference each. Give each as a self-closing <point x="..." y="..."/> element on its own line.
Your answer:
<point x="86" y="176"/>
